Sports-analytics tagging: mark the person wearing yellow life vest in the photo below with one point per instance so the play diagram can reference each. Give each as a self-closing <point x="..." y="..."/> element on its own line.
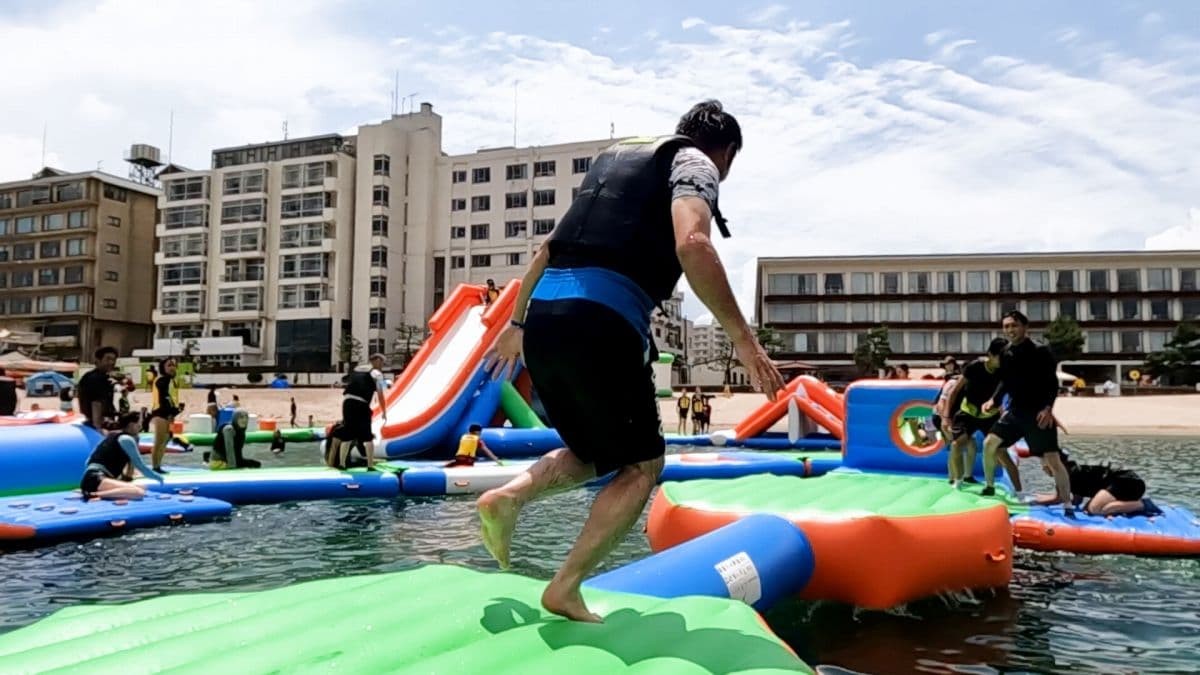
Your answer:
<point x="697" y="412"/>
<point x="975" y="387"/>
<point x="467" y="445"/>
<point x="685" y="407"/>
<point x="163" y="409"/>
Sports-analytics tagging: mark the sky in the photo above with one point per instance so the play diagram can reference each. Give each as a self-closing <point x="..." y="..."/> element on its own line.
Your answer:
<point x="870" y="127"/>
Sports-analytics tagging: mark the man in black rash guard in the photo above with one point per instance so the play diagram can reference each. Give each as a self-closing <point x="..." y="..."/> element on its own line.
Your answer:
<point x="1027" y="376"/>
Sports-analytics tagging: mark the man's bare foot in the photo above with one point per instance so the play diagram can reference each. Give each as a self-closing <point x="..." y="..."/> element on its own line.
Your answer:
<point x="567" y="602"/>
<point x="498" y="519"/>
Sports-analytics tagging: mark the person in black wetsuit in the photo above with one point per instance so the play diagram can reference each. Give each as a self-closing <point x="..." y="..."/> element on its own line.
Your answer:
<point x="365" y="383"/>
<point x="581" y="321"/>
<point x="110" y="467"/>
<point x="229" y="443"/>
<point x="1028" y="377"/>
<point x="1108" y="491"/>
<point x="975" y="387"/>
<point x="163" y="410"/>
<point x="95" y="390"/>
<point x="8" y="394"/>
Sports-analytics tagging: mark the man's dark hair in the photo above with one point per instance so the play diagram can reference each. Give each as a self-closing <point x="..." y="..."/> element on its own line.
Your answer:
<point x="162" y="365"/>
<point x="1016" y="315"/>
<point x="474" y="429"/>
<point x="104" y="351"/>
<point x="710" y="127"/>
<point x="997" y="346"/>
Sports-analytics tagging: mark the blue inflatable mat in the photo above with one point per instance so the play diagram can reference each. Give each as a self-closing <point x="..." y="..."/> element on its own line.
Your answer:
<point x="274" y="485"/>
<point x="59" y="515"/>
<point x="1160" y="530"/>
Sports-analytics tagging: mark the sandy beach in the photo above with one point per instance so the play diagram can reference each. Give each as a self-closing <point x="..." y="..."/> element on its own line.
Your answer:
<point x="1168" y="415"/>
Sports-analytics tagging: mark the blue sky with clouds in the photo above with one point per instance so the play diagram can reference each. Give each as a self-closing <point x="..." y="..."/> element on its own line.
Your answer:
<point x="871" y="127"/>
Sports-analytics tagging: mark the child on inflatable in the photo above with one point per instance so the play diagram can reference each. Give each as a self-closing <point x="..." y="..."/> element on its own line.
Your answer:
<point x="109" y="470"/>
<point x="467" y="445"/>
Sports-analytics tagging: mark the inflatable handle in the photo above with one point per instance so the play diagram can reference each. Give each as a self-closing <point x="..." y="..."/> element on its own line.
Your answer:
<point x="175" y="517"/>
<point x="186" y="491"/>
<point x="462" y="483"/>
<point x="998" y="556"/>
<point x="117" y="523"/>
<point x="352" y="486"/>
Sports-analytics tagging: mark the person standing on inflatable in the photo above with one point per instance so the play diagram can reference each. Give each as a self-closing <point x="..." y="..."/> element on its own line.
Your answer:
<point x="162" y="411"/>
<point x="641" y="220"/>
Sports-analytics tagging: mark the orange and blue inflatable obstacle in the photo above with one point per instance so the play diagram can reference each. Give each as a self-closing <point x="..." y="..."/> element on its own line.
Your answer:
<point x="878" y="540"/>
<point x="1158" y="531"/>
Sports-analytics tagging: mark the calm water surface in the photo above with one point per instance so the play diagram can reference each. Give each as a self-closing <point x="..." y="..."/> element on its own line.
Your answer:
<point x="1062" y="614"/>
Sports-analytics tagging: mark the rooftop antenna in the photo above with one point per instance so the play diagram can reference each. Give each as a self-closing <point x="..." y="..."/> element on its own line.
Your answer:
<point x="612" y="130"/>
<point x="515" y="83"/>
<point x="171" y="136"/>
<point x="396" y="92"/>
<point x="45" y="126"/>
<point x="285" y="130"/>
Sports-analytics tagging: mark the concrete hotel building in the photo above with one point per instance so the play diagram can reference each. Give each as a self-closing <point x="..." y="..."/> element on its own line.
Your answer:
<point x="290" y="245"/>
<point x="1127" y="303"/>
<point x="75" y="260"/>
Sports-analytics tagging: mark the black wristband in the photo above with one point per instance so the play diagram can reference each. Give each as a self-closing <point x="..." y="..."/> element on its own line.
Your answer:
<point x="516" y="323"/>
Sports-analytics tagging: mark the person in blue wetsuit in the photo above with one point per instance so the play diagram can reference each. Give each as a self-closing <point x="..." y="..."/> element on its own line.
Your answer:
<point x="640" y="221"/>
<point x="110" y="467"/>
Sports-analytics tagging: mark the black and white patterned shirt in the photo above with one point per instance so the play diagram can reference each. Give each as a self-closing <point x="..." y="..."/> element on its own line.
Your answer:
<point x="693" y="174"/>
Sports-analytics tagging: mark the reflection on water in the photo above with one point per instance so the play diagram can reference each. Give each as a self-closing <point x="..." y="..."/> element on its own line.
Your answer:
<point x="1062" y="613"/>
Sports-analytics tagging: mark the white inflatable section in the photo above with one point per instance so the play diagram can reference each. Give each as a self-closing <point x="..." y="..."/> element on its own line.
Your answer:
<point x="469" y="480"/>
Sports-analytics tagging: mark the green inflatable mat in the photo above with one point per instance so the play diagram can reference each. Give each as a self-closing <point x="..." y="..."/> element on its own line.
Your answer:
<point x="433" y="619"/>
<point x="849" y="492"/>
<point x="296" y="435"/>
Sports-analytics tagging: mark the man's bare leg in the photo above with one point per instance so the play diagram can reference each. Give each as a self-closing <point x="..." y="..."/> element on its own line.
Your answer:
<point x="953" y="463"/>
<point x="969" y="450"/>
<point x="1062" y="478"/>
<point x="161" y="429"/>
<point x="498" y="508"/>
<point x="614" y="512"/>
<point x="1010" y="467"/>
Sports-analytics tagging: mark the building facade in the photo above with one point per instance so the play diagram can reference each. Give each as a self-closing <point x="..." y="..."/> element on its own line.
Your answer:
<point x="1127" y="303"/>
<point x="76" y="260"/>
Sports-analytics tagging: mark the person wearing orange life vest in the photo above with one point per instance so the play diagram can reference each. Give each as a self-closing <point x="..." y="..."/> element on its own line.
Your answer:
<point x="467" y="445"/>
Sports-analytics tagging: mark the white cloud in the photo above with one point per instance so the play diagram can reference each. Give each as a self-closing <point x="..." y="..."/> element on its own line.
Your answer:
<point x="95" y="109"/>
<point x="1180" y="237"/>
<point x="935" y="37"/>
<point x="949" y="51"/>
<point x="767" y="14"/>
<point x="691" y="22"/>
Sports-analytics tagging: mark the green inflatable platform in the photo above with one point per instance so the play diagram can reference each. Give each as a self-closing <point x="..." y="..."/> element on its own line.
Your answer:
<point x="434" y="619"/>
<point x="296" y="435"/>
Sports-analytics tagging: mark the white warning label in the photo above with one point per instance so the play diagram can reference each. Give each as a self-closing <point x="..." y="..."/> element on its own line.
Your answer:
<point x="741" y="578"/>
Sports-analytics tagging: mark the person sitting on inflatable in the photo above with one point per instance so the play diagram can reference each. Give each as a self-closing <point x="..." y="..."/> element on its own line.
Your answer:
<point x="467" y="445"/>
<point x="1108" y="491"/>
<point x="228" y="445"/>
<point x="110" y="466"/>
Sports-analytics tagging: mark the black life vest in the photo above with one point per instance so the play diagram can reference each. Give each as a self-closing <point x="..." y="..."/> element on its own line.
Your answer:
<point x="220" y="451"/>
<point x="621" y="218"/>
<point x="360" y="384"/>
<point x="110" y="455"/>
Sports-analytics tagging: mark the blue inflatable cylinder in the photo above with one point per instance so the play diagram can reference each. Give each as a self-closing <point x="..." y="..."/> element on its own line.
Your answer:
<point x="509" y="443"/>
<point x="759" y="560"/>
<point x="44" y="457"/>
<point x="480" y="411"/>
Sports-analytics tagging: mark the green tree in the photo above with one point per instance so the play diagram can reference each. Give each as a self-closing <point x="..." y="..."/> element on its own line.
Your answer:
<point x="349" y="349"/>
<point x="408" y="340"/>
<point x="1179" y="358"/>
<point x="770" y="339"/>
<point x="1065" y="338"/>
<point x="872" y="353"/>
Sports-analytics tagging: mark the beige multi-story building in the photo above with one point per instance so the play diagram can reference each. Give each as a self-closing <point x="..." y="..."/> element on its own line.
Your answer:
<point x="76" y="260"/>
<point x="1127" y="303"/>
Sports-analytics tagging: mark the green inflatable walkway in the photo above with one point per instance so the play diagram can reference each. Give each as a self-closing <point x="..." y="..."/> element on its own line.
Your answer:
<point x="434" y="619"/>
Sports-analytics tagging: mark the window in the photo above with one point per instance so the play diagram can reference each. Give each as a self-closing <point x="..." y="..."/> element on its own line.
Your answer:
<point x="1006" y="282"/>
<point x="481" y="175"/>
<point x="113" y="221"/>
<point x="1098" y="280"/>
<point x="239" y="300"/>
<point x="798" y="312"/>
<point x="977" y="282"/>
<point x="25" y="224"/>
<point x="581" y="164"/>
<point x="920" y="342"/>
<point x="918" y="282"/>
<point x="50" y="303"/>
<point x="920" y="311"/>
<point x="306" y="175"/>
<point x="896" y="341"/>
<point x="833" y="284"/>
<point x="178" y="302"/>
<point x="862" y="311"/>
<point x="36" y="195"/>
<point x="20" y="306"/>
<point x="481" y="203"/>
<point x="1038" y="310"/>
<point x="862" y="282"/>
<point x="1159" y="279"/>
<point x="1129" y="280"/>
<point x="1187" y="280"/>
<point x="185" y="216"/>
<point x="243" y="211"/>
<point x="48" y="276"/>
<point x="383" y="165"/>
<point x="3" y="279"/>
<point x="516" y="200"/>
<point x="244" y="182"/>
<point x="1007" y="306"/>
<point x="480" y="231"/>
<point x="115" y="193"/>
<point x="458" y="232"/>
<point x="950" y="342"/>
<point x="297" y="235"/>
<point x="544" y="168"/>
<point x="1098" y="310"/>
<point x="458" y="175"/>
<point x="543" y="225"/>
<point x="947" y="282"/>
<point x="186" y="188"/>
<point x="543" y="197"/>
<point x="457" y="262"/>
<point x="22" y="278"/>
<point x="304" y="265"/>
<point x="978" y="341"/>
<point x="1160" y="310"/>
<point x="244" y="239"/>
<point x="378" y="319"/>
<point x="72" y="302"/>
<point x="979" y="311"/>
<point x="54" y="221"/>
<point x="1158" y="340"/>
<point x="1069" y="308"/>
<point x="23" y="251"/>
<point x="302" y="296"/>
<point x="834" y="343"/>
<point x="4" y="225"/>
<point x="74" y="275"/>
<point x="1131" y="341"/>
<point x="112" y="248"/>
<point x="1037" y="281"/>
<point x="800" y="342"/>
<point x="65" y="192"/>
<point x="181" y="245"/>
<point x="514" y="228"/>
<point x="481" y="261"/>
<point x="379" y="256"/>
<point x="179" y="274"/>
<point x="791" y="284"/>
<point x="49" y="249"/>
<point x="108" y="276"/>
<point x="514" y="259"/>
<point x="381" y="195"/>
<point x="890" y="282"/>
<point x="1131" y="309"/>
<point x="835" y="311"/>
<point x="76" y="247"/>
<point x="458" y="204"/>
<point x="949" y="311"/>
<point x="379" y="225"/>
<point x="3" y="254"/>
<point x="516" y="171"/>
<point x="1064" y="281"/>
<point x="304" y="205"/>
<point x="1191" y="310"/>
<point x="891" y="312"/>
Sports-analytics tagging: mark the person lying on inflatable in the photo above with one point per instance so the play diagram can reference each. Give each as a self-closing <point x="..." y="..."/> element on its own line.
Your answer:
<point x="1108" y="491"/>
<point x="109" y="470"/>
<point x="467" y="445"/>
<point x="228" y="445"/>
